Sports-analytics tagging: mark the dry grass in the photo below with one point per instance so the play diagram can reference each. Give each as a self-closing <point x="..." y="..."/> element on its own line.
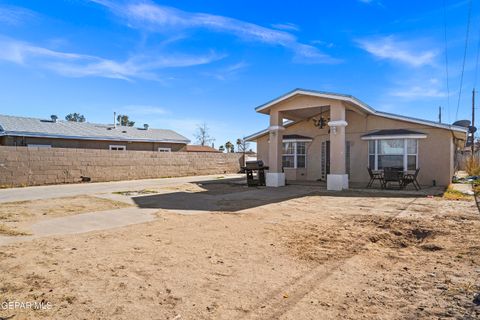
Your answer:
<point x="13" y="213"/>
<point x="8" y="231"/>
<point x="452" y="194"/>
<point x="135" y="192"/>
<point x="472" y="166"/>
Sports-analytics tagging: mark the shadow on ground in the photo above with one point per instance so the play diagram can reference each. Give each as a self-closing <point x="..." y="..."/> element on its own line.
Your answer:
<point x="233" y="195"/>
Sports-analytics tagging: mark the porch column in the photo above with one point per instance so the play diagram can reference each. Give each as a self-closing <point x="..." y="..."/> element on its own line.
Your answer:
<point x="338" y="178"/>
<point x="275" y="177"/>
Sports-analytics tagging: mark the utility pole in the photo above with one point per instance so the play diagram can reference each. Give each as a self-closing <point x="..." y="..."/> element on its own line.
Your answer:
<point x="473" y="122"/>
<point x="439" y="114"/>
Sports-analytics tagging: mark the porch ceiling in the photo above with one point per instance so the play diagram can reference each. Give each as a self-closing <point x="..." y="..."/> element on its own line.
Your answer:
<point x="304" y="113"/>
<point x="307" y="113"/>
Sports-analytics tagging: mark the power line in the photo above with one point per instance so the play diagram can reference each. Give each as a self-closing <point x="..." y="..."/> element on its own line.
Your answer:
<point x="446" y="56"/>
<point x="476" y="64"/>
<point x="464" y="56"/>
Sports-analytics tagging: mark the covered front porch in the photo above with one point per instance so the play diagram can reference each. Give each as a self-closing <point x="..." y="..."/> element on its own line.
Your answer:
<point x="288" y="152"/>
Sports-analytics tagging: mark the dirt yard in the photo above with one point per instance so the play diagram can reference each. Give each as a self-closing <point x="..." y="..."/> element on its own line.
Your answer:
<point x="229" y="252"/>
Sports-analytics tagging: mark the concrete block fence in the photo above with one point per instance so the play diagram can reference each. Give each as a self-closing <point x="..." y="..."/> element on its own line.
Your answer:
<point x="23" y="166"/>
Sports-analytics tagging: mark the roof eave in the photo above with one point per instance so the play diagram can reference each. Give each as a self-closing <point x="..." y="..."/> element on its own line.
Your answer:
<point x="359" y="103"/>
<point x="52" y="136"/>
<point x="395" y="136"/>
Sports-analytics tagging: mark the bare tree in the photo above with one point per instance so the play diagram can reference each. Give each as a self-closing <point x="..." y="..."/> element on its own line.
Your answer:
<point x="242" y="145"/>
<point x="202" y="134"/>
<point x="124" y="120"/>
<point x="75" y="117"/>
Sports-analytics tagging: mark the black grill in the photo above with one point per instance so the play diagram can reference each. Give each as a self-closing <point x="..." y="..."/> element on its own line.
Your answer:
<point x="255" y="166"/>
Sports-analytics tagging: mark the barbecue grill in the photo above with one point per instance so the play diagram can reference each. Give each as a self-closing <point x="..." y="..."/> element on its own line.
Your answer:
<point x="255" y="166"/>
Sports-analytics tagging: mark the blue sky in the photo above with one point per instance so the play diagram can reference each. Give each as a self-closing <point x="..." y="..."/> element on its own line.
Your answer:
<point x="177" y="64"/>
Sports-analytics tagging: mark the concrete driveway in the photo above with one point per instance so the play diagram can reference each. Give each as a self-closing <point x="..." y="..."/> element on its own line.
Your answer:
<point x="69" y="190"/>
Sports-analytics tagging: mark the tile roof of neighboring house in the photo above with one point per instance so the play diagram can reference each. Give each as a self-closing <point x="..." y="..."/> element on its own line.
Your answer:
<point x="392" y="132"/>
<point x="197" y="148"/>
<point x="60" y="129"/>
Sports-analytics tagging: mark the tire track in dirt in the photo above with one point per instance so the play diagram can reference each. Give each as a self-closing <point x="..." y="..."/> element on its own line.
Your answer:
<point x="275" y="305"/>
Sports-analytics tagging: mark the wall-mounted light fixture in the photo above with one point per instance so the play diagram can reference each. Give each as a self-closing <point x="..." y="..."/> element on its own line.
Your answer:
<point x="335" y="124"/>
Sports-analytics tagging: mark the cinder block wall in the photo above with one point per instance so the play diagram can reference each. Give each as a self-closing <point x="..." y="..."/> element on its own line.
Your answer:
<point x="22" y="166"/>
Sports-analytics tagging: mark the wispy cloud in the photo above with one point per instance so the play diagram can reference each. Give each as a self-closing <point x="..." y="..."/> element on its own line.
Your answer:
<point x="228" y="71"/>
<point x="406" y="52"/>
<point x="82" y="65"/>
<point x="13" y="15"/>
<point x="419" y="89"/>
<point x="372" y="2"/>
<point x="415" y="92"/>
<point x="149" y="16"/>
<point x="286" y="26"/>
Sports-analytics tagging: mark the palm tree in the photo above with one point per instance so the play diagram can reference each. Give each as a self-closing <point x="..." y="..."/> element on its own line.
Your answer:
<point x="229" y="146"/>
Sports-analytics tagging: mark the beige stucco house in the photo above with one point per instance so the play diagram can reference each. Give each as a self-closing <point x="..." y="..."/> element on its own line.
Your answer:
<point x="334" y="137"/>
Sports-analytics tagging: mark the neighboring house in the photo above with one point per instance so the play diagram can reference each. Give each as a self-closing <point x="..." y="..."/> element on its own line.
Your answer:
<point x="334" y="138"/>
<point x="52" y="133"/>
<point x="198" y="148"/>
<point x="250" y="155"/>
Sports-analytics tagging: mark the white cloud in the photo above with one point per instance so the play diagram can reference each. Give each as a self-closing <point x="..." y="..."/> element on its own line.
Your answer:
<point x="82" y="65"/>
<point x="15" y="15"/>
<point x="149" y="16"/>
<point x="401" y="51"/>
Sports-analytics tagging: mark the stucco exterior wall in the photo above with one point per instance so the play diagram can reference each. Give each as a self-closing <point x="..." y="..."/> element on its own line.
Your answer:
<point x="22" y="166"/>
<point x="435" y="153"/>
<point x="89" y="144"/>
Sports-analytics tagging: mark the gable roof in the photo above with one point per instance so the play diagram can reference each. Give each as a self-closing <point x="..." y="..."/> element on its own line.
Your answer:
<point x="348" y="98"/>
<point x="61" y="129"/>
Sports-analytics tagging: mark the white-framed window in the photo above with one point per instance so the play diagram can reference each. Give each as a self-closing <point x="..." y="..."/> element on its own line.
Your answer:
<point x="41" y="146"/>
<point x="117" y="147"/>
<point x="164" y="149"/>
<point x="396" y="153"/>
<point x="294" y="154"/>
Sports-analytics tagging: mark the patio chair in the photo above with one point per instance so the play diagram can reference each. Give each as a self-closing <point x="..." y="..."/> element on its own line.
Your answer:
<point x="392" y="175"/>
<point x="411" y="178"/>
<point x="374" y="176"/>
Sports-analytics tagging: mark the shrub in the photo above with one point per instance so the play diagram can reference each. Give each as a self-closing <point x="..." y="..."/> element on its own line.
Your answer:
<point x="472" y="166"/>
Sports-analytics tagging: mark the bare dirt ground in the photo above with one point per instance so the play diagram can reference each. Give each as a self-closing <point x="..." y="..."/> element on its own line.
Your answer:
<point x="16" y="217"/>
<point x="303" y="255"/>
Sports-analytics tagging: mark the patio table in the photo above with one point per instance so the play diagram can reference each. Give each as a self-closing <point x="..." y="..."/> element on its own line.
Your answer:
<point x="393" y="174"/>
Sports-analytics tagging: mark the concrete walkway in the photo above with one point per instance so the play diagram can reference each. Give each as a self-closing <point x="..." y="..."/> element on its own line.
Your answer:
<point x="69" y="190"/>
<point x="85" y="222"/>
